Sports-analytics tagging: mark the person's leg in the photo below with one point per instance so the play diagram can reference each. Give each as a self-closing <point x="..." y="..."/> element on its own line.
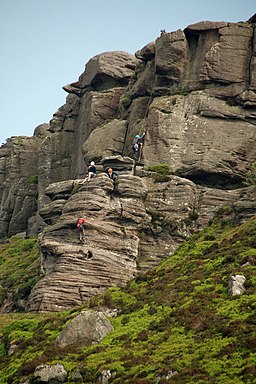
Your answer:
<point x="86" y="178"/>
<point x="83" y="233"/>
<point x="90" y="176"/>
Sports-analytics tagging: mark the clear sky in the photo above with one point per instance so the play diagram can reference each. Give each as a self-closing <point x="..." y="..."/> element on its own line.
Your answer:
<point x="45" y="44"/>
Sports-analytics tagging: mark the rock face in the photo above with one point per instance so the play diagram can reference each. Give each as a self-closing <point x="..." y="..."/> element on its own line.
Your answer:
<point x="108" y="255"/>
<point x="18" y="183"/>
<point x="193" y="93"/>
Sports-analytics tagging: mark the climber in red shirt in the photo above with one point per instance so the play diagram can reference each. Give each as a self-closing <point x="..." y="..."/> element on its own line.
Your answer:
<point x="80" y="227"/>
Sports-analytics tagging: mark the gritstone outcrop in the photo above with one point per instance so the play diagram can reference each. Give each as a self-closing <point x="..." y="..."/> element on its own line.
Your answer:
<point x="194" y="94"/>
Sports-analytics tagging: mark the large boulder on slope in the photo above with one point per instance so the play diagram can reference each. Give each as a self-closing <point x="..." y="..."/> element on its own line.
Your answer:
<point x="86" y="328"/>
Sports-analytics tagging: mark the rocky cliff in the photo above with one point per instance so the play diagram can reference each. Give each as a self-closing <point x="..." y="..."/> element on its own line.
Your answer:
<point x="194" y="94"/>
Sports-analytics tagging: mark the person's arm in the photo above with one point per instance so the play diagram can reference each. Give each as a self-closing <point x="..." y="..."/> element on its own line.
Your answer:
<point x="143" y="137"/>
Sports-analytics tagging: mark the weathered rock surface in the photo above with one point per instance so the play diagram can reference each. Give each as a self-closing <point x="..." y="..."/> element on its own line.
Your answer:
<point x="236" y="285"/>
<point x="193" y="93"/>
<point x="86" y="328"/>
<point x="108" y="67"/>
<point x="114" y="247"/>
<point x="18" y="183"/>
<point x="200" y="137"/>
<point x="105" y="376"/>
<point x="50" y="374"/>
<point x="101" y="144"/>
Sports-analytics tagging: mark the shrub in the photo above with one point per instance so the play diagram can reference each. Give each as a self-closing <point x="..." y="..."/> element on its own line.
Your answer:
<point x="161" y="172"/>
<point x="75" y="188"/>
<point x="162" y="169"/>
<point x="251" y="175"/>
<point x="33" y="179"/>
<point x="126" y="101"/>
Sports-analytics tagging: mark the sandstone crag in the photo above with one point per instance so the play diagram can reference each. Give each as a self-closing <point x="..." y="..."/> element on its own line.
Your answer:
<point x="193" y="93"/>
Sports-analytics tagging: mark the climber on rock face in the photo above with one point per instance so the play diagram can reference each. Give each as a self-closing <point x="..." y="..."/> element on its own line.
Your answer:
<point x="135" y="149"/>
<point x="91" y="172"/>
<point x="80" y="228"/>
<point x="111" y="174"/>
<point x="140" y="139"/>
<point x="137" y="146"/>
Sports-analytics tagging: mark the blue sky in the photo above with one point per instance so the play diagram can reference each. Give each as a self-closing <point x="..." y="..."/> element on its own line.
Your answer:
<point x="45" y="44"/>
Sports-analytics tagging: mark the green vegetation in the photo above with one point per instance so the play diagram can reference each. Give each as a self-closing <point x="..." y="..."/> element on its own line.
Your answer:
<point x="126" y="101"/>
<point x="160" y="172"/>
<point x="75" y="188"/>
<point x="178" y="317"/>
<point x="183" y="91"/>
<point x="19" y="269"/>
<point x="251" y="175"/>
<point x="33" y="179"/>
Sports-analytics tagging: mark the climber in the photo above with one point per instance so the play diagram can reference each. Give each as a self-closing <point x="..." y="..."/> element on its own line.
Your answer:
<point x="80" y="226"/>
<point x="91" y="172"/>
<point x="137" y="146"/>
<point x="112" y="175"/>
<point x="136" y="150"/>
<point x="140" y="139"/>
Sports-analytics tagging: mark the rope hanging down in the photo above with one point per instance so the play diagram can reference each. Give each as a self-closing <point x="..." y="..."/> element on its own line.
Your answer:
<point x="144" y="122"/>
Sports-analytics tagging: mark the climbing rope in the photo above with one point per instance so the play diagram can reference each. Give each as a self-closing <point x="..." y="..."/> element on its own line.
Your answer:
<point x="144" y="122"/>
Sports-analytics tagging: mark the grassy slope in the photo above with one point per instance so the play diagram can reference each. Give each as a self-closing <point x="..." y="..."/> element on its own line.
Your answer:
<point x="178" y="317"/>
<point x="19" y="269"/>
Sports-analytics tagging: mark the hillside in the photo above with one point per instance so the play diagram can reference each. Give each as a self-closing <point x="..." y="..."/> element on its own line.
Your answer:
<point x="178" y="323"/>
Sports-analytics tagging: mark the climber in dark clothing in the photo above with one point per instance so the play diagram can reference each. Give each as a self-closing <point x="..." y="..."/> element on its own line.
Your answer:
<point x="135" y="149"/>
<point x="91" y="172"/>
<point x="137" y="146"/>
<point x="112" y="175"/>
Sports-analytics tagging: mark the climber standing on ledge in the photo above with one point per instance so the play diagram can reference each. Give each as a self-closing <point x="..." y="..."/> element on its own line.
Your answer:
<point x="80" y="226"/>
<point x="91" y="172"/>
<point x="111" y="174"/>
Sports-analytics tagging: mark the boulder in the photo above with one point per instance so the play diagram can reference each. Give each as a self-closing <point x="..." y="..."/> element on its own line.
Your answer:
<point x="120" y="164"/>
<point x="146" y="53"/>
<point x="76" y="376"/>
<point x="206" y="25"/>
<point x="236" y="285"/>
<point x="50" y="374"/>
<point x="87" y="328"/>
<point x="108" y="67"/>
<point x="106" y="376"/>
<point x="41" y="130"/>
